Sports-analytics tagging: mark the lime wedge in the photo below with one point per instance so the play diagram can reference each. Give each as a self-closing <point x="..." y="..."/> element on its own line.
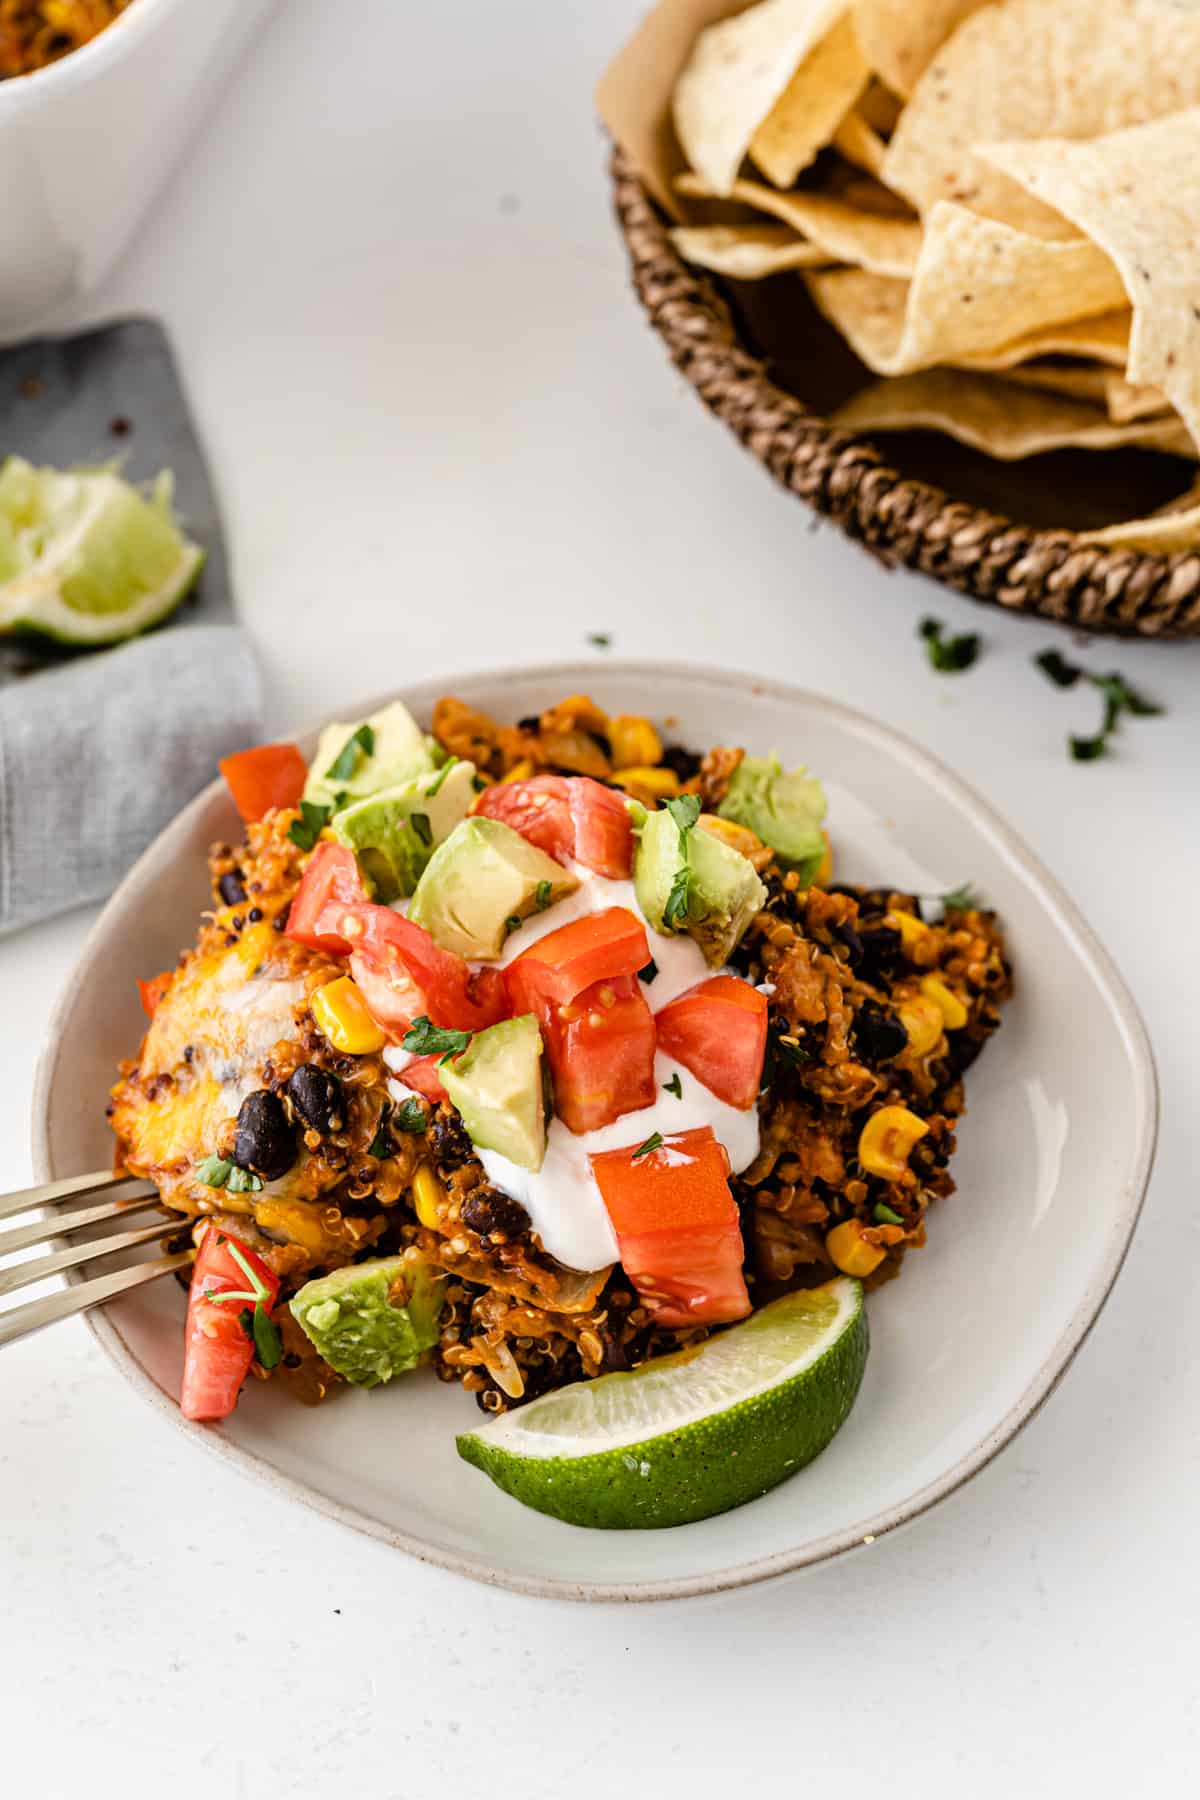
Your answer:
<point x="85" y="557"/>
<point x="693" y="1433"/>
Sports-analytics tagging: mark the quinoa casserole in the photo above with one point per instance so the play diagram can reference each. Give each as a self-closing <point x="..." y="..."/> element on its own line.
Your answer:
<point x="34" y="33"/>
<point x="531" y="1052"/>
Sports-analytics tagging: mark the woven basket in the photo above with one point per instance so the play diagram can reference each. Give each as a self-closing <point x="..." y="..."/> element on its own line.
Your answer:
<point x="1052" y="573"/>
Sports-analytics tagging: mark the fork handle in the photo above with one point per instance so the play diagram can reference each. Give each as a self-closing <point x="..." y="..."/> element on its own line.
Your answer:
<point x="23" y="1321"/>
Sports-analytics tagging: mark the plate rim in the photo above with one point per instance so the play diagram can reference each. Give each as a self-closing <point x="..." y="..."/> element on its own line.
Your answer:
<point x="1067" y="915"/>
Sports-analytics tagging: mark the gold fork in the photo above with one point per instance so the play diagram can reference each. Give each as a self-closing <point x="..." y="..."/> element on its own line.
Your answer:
<point x="109" y="1197"/>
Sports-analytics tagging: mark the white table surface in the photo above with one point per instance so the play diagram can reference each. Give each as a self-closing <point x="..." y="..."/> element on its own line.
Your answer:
<point x="441" y="430"/>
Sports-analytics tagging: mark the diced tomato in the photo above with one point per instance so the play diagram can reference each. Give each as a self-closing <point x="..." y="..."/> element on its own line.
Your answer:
<point x="719" y="1031"/>
<point x="151" y="992"/>
<point x="677" y="1227"/>
<point x="567" y="816"/>
<point x="600" y="1048"/>
<point x="602" y="946"/>
<point x="332" y="883"/>
<point x="404" y="974"/>
<point x="217" y="1353"/>
<point x="265" y="779"/>
<point x="423" y="1076"/>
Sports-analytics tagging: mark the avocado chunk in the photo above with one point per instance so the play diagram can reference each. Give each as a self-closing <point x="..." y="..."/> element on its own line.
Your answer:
<point x="391" y="749"/>
<point x="688" y="880"/>
<point x="372" y="1320"/>
<point x="480" y="884"/>
<point x="784" y="809"/>
<point x="394" y="833"/>
<point x="496" y="1085"/>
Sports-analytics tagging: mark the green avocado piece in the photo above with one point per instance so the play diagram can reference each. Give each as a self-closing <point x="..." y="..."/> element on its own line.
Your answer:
<point x="784" y="810"/>
<point x="496" y="1085"/>
<point x="715" y="887"/>
<point x="482" y="882"/>
<point x="394" y="833"/>
<point x="356" y="1323"/>
<point x="399" y="750"/>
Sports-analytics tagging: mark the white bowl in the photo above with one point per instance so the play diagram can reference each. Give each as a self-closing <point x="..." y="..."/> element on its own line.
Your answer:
<point x="86" y="142"/>
<point x="1053" y="1162"/>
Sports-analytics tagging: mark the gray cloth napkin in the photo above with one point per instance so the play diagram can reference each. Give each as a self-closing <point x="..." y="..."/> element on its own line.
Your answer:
<point x="98" y="751"/>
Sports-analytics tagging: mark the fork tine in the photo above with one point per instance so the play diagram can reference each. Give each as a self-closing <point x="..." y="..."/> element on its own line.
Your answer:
<point x="22" y="1321"/>
<point x="39" y="1267"/>
<point x="60" y="1224"/>
<point x="29" y="1199"/>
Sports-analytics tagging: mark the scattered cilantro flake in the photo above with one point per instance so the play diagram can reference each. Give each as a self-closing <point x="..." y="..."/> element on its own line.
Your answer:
<point x="653" y="1142"/>
<point x="948" y="655"/>
<point x="420" y="824"/>
<point x="685" y="810"/>
<point x="360" y="743"/>
<point x="1119" y="697"/>
<point x="1088" y="749"/>
<point x="381" y="1144"/>
<point x="435" y="787"/>
<point x="675" y="912"/>
<point x="424" y="1038"/>
<point x="268" y="1344"/>
<point x="245" y="1319"/>
<point x="961" y="898"/>
<point x="649" y="973"/>
<point x="411" y="1116"/>
<point x="674" y="1086"/>
<point x="242" y="1181"/>
<point x="1057" y="669"/>
<point x="600" y="640"/>
<point x="513" y="923"/>
<point x="213" y="1171"/>
<point x="305" y="830"/>
<point x="478" y="783"/>
<point x="543" y="893"/>
<point x="883" y="1215"/>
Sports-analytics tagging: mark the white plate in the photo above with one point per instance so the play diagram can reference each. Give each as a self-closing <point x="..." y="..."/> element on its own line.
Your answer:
<point x="1053" y="1161"/>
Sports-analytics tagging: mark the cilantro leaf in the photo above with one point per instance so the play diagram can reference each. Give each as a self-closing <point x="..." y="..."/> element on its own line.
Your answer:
<point x="1057" y="669"/>
<point x="421" y="826"/>
<point x="600" y="640"/>
<point x="214" y="1171"/>
<point x="1088" y="749"/>
<point x="435" y="787"/>
<point x="381" y="1144"/>
<point x="359" y="744"/>
<point x="949" y="655"/>
<point x="961" y="898"/>
<point x="674" y="1086"/>
<point x="268" y="1344"/>
<point x="424" y="1038"/>
<point x="410" y="1116"/>
<point x="883" y="1215"/>
<point x="305" y="830"/>
<point x="675" y="912"/>
<point x="685" y="810"/>
<point x="246" y="1320"/>
<point x="242" y="1181"/>
<point x="653" y="1142"/>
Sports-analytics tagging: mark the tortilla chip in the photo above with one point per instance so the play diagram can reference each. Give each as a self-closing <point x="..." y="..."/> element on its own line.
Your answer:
<point x="1136" y="194"/>
<point x="900" y="38"/>
<point x="880" y="107"/>
<point x="1173" y="528"/>
<point x="737" y="71"/>
<point x="745" y="252"/>
<point x="1002" y="420"/>
<point x="977" y="285"/>
<point x="847" y="234"/>
<point x="1087" y="381"/>
<point x="1126" y="401"/>
<point x="809" y="110"/>
<point x="860" y="143"/>
<point x="1022" y="69"/>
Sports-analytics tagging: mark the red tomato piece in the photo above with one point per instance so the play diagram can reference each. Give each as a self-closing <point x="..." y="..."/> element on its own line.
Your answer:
<point x="567" y="816"/>
<point x="602" y="946"/>
<point x="600" y="1048"/>
<point x="718" y="1030"/>
<point x="217" y="1353"/>
<point x="265" y="779"/>
<point x="151" y="992"/>
<point x="332" y="883"/>
<point x="404" y="974"/>
<point x="423" y="1077"/>
<point x="677" y="1227"/>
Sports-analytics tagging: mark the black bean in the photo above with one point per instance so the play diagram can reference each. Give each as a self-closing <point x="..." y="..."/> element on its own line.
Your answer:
<point x="881" y="953"/>
<point x="230" y="888"/>
<point x="684" y="763"/>
<point x="878" y="1034"/>
<point x="449" y="1142"/>
<point x="962" y="1050"/>
<point x="488" y="1210"/>
<point x="847" y="935"/>
<point x="530" y="723"/>
<point x="317" y="1098"/>
<point x="266" y="1140"/>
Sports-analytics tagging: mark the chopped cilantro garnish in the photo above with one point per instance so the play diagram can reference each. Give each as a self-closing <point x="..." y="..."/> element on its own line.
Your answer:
<point x="961" y="898"/>
<point x="948" y="655"/>
<point x="1119" y="698"/>
<point x="883" y="1215"/>
<point x="213" y="1171"/>
<point x="422" y="827"/>
<point x="435" y="787"/>
<point x="653" y="1142"/>
<point x="381" y="1144"/>
<point x="268" y="1344"/>
<point x="512" y="923"/>
<point x="649" y="973"/>
<point x="1088" y="749"/>
<point x="675" y="912"/>
<point x="1057" y="669"/>
<point x="424" y="1038"/>
<point x="242" y="1181"/>
<point x="674" y="1086"/>
<point x="600" y="640"/>
<point x="360" y="743"/>
<point x="685" y="810"/>
<point x="305" y="830"/>
<point x="542" y="894"/>
<point x="410" y="1116"/>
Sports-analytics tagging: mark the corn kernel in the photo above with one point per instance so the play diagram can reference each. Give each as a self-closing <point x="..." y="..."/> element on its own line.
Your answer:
<point x="921" y="1017"/>
<point x="428" y="1195"/>
<point x="738" y="837"/>
<point x="341" y="1015"/>
<point x="954" y="1013"/>
<point x="851" y="1252"/>
<point x="660" y="784"/>
<point x="911" y="929"/>
<point x="634" y="741"/>
<point x="520" y="771"/>
<point x="824" y="874"/>
<point x="886" y="1139"/>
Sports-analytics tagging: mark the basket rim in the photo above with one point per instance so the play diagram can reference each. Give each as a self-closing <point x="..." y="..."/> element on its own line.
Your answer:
<point x="1052" y="573"/>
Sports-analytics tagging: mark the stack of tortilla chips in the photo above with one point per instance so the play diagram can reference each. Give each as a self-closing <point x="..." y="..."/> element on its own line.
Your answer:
<point x="995" y="202"/>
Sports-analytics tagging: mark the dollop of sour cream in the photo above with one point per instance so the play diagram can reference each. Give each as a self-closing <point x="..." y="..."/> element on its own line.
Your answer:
<point x="562" y="1199"/>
